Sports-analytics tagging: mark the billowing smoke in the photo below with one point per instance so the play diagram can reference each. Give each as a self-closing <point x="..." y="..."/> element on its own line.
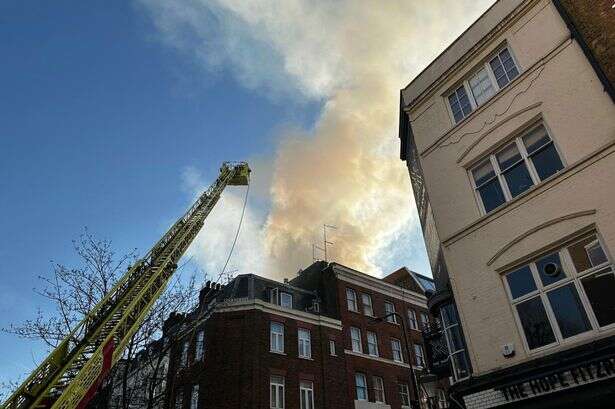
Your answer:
<point x="353" y="55"/>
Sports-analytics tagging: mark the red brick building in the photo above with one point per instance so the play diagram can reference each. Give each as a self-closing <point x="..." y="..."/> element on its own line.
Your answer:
<point x="330" y="338"/>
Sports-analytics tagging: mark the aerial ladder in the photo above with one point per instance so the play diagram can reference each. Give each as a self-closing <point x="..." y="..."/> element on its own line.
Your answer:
<point x="70" y="375"/>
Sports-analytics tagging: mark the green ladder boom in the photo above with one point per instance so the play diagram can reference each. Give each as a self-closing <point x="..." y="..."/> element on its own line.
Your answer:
<point x="73" y="371"/>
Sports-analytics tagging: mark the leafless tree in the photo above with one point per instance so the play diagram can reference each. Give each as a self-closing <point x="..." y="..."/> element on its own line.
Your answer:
<point x="7" y="387"/>
<point x="74" y="291"/>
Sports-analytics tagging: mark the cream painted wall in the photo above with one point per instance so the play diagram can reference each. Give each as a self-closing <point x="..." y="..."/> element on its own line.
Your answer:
<point x="558" y="84"/>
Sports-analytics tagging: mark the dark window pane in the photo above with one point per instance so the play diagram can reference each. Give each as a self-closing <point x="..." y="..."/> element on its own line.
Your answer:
<point x="596" y="254"/>
<point x="600" y="288"/>
<point x="547" y="162"/>
<point x="579" y="253"/>
<point x="545" y="264"/>
<point x="508" y="156"/>
<point x="492" y="195"/>
<point x="455" y="108"/>
<point x="496" y="66"/>
<point x="454" y="338"/>
<point x="464" y="101"/>
<point x="512" y="72"/>
<point x="509" y="64"/>
<point x="538" y="331"/>
<point x="569" y="312"/>
<point x="498" y="71"/>
<point x="518" y="179"/>
<point x="535" y="139"/>
<point x="449" y="314"/>
<point x="504" y="54"/>
<point x="520" y="282"/>
<point x="460" y="363"/>
<point x="483" y="172"/>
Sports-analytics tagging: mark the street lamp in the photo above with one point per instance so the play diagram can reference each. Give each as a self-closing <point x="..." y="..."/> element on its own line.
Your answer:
<point x="413" y="402"/>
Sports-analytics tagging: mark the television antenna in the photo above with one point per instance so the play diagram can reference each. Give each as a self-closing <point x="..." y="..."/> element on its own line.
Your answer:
<point x="325" y="242"/>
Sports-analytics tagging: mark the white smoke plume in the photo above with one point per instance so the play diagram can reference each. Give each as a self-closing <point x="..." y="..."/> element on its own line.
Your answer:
<point x="354" y="55"/>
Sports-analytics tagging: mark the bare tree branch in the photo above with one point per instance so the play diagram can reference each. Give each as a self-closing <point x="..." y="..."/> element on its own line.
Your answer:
<point x="73" y="292"/>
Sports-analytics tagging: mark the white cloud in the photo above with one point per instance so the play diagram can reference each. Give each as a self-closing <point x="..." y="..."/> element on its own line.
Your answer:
<point x="212" y="245"/>
<point x="355" y="55"/>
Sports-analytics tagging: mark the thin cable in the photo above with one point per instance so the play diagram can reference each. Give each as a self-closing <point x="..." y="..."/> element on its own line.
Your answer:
<point x="243" y="212"/>
<point x="196" y="321"/>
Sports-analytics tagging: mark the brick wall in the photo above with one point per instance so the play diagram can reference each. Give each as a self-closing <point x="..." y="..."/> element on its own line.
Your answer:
<point x="238" y="364"/>
<point x="392" y="374"/>
<point x="595" y="20"/>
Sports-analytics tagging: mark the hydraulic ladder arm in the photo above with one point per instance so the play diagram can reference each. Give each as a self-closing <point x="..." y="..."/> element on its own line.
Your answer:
<point x="71" y="373"/>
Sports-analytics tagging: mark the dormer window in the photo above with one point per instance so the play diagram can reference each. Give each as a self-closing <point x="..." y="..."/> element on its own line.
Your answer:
<point x="286" y="300"/>
<point x="315" y="306"/>
<point x="274" y="296"/>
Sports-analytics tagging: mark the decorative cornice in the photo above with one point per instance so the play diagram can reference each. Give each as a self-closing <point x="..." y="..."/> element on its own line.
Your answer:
<point x="468" y="57"/>
<point x="537" y="229"/>
<point x="363" y="280"/>
<point x="243" y="304"/>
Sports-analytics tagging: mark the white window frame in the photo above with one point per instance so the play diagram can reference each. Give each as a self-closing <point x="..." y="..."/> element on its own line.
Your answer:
<point x="571" y="276"/>
<point x="286" y="299"/>
<point x="379" y="389"/>
<point x="468" y="89"/>
<point x="372" y="344"/>
<point x="276" y="385"/>
<point x="368" y="306"/>
<point x="194" y="397"/>
<point x="450" y="108"/>
<point x="396" y="349"/>
<point x="492" y="81"/>
<point x="307" y="388"/>
<point x="274" y="296"/>
<point x="199" y="352"/>
<point x="419" y="355"/>
<point x="389" y="312"/>
<point x="424" y="321"/>
<point x="448" y="328"/>
<point x="179" y="400"/>
<point x="276" y="338"/>
<point x="183" y="360"/>
<point x="357" y="376"/>
<point x="404" y="392"/>
<point x="499" y="173"/>
<point x="351" y="300"/>
<point x="304" y="337"/>
<point x="356" y="343"/>
<point x="412" y="321"/>
<point x="332" y="348"/>
<point x="442" y="400"/>
<point x="588" y="246"/>
<point x="497" y="55"/>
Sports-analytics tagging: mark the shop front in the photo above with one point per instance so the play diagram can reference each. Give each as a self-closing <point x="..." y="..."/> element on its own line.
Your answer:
<point x="580" y="378"/>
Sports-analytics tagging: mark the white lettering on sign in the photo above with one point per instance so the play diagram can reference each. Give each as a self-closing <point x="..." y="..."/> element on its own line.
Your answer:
<point x="542" y="385"/>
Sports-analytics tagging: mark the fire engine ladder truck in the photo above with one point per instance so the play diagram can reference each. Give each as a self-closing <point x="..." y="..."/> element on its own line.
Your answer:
<point x="70" y="375"/>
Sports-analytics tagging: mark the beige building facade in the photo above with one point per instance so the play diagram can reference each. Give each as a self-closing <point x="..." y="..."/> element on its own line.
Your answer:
<point x="509" y="137"/>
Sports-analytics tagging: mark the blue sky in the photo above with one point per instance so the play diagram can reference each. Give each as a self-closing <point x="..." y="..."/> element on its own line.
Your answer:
<point x="115" y="114"/>
<point x="97" y="124"/>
